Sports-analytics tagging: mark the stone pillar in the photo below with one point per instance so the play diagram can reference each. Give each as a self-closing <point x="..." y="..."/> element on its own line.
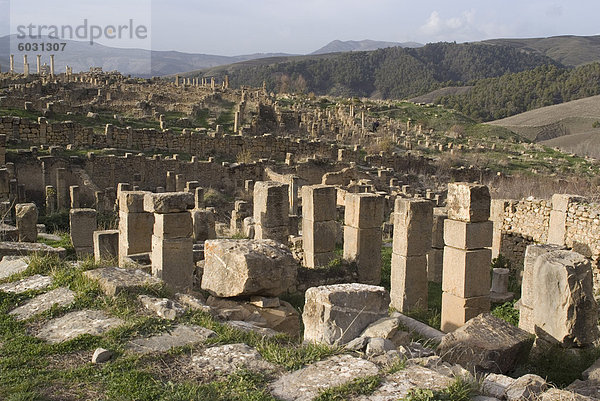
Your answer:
<point x="99" y="202"/>
<point x="294" y="195"/>
<point x="12" y="63"/>
<point x="27" y="217"/>
<point x="435" y="256"/>
<point x="199" y="198"/>
<point x="82" y="224"/>
<point x="170" y="184"/>
<point x="499" y="293"/>
<point x="172" y="245"/>
<point x="412" y="240"/>
<point x="362" y="235"/>
<point x="25" y="66"/>
<point x="135" y="225"/>
<point x="319" y="228"/>
<point x="191" y="186"/>
<point x="242" y="209"/>
<point x="236" y="122"/>
<point x="558" y="217"/>
<point x="564" y="308"/>
<point x="2" y="150"/>
<point x="106" y="245"/>
<point x="467" y="233"/>
<point x="74" y="195"/>
<point x="52" y="65"/>
<point x="179" y="183"/>
<point x="62" y="196"/>
<point x="271" y="208"/>
<point x="203" y="221"/>
<point x="497" y="209"/>
<point x="50" y="199"/>
<point x="528" y="285"/>
<point x="39" y="64"/>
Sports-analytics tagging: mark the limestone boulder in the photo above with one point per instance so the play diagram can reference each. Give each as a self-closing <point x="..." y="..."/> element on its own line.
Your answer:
<point x="564" y="309"/>
<point x="337" y="314"/>
<point x="247" y="267"/>
<point x="486" y="344"/>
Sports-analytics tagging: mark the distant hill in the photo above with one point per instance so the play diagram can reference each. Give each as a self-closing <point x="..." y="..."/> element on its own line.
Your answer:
<point x="572" y="119"/>
<point x="511" y="94"/>
<point x="394" y="72"/>
<point x="338" y="46"/>
<point x="567" y="50"/>
<point x="81" y="56"/>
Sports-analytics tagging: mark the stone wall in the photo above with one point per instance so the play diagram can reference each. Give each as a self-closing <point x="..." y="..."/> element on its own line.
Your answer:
<point x="527" y="222"/>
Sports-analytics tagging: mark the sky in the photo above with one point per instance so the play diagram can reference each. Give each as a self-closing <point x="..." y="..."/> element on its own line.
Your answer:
<point x="234" y="27"/>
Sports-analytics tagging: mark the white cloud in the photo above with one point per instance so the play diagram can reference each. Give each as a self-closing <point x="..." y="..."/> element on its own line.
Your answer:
<point x="460" y="28"/>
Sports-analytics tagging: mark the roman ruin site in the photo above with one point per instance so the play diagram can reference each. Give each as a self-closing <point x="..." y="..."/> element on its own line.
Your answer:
<point x="301" y="245"/>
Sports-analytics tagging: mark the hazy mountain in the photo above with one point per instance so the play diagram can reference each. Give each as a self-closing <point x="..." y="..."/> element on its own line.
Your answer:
<point x="81" y="56"/>
<point x="338" y="46"/>
<point x="568" y="50"/>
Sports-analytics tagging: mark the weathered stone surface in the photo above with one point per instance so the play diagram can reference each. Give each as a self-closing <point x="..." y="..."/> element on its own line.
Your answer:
<point x="379" y="346"/>
<point x="364" y="210"/>
<point x="495" y="385"/>
<point x="284" y="318"/>
<point x="462" y="235"/>
<point x="526" y="388"/>
<point x="101" y="355"/>
<point x="203" y="222"/>
<point x="247" y="267"/>
<point x="193" y="302"/>
<point x="408" y="283"/>
<point x="181" y="335"/>
<point x="113" y="280"/>
<point x="74" y="324"/>
<point x="132" y="201"/>
<point x="563" y="395"/>
<point x="82" y="223"/>
<point x="336" y="314"/>
<point x="397" y="386"/>
<point x="412" y="226"/>
<point x="61" y="297"/>
<point x="486" y="344"/>
<point x="106" y="245"/>
<point x="173" y="225"/>
<point x="363" y="247"/>
<point x="135" y="234"/>
<point x="319" y="202"/>
<point x="226" y="359"/>
<point x="468" y="202"/>
<point x="173" y="261"/>
<point x="29" y="248"/>
<point x="466" y="273"/>
<point x="264" y="302"/>
<point x="27" y="216"/>
<point x="271" y="204"/>
<point x="388" y="328"/>
<point x="305" y="384"/>
<point x="33" y="283"/>
<point x="456" y="311"/>
<point x="163" y="307"/>
<point x="251" y="327"/>
<point x="168" y="202"/>
<point x="570" y="315"/>
<point x="12" y="265"/>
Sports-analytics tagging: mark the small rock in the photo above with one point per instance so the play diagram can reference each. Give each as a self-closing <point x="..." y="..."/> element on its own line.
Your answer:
<point x="495" y="385"/>
<point x="358" y="344"/>
<point x="527" y="387"/>
<point x="101" y="355"/>
<point x="164" y="307"/>
<point x="264" y="302"/>
<point x="379" y="346"/>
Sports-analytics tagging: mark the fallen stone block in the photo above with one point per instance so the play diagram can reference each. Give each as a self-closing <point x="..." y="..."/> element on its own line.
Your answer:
<point x="486" y="344"/>
<point x="74" y="324"/>
<point x="163" y="307"/>
<point x="61" y="297"/>
<point x="168" y="202"/>
<point x="337" y="314"/>
<point x="181" y="336"/>
<point x="114" y="280"/>
<point x="248" y="267"/>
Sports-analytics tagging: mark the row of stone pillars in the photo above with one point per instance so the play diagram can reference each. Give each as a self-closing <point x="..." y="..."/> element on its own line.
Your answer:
<point x="26" y="64"/>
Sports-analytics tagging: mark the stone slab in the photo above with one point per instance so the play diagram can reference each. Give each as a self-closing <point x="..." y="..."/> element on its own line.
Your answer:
<point x="29" y="248"/>
<point x="306" y="384"/>
<point x="114" y="280"/>
<point x="74" y="324"/>
<point x="33" y="283"/>
<point x="61" y="297"/>
<point x="12" y="265"/>
<point x="181" y="336"/>
<point x="226" y="359"/>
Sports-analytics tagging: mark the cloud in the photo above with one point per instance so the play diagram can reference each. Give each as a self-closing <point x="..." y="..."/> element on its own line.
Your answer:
<point x="462" y="27"/>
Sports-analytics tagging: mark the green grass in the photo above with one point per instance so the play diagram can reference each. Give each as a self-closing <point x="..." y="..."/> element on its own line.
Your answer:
<point x="459" y="390"/>
<point x="28" y="369"/>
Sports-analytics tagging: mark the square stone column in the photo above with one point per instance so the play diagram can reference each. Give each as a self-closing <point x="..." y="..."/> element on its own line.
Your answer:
<point x="135" y="225"/>
<point x="172" y="244"/>
<point x="27" y="217"/>
<point x="271" y="211"/>
<point x="413" y="219"/>
<point x="74" y="195"/>
<point x="435" y="256"/>
<point x="62" y="195"/>
<point x="558" y="217"/>
<point x="319" y="229"/>
<point x="83" y="223"/>
<point x="467" y="261"/>
<point x="106" y="245"/>
<point x="363" y="235"/>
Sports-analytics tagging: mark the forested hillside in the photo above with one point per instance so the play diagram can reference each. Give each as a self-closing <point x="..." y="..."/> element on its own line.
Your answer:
<point x="495" y="98"/>
<point x="387" y="73"/>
